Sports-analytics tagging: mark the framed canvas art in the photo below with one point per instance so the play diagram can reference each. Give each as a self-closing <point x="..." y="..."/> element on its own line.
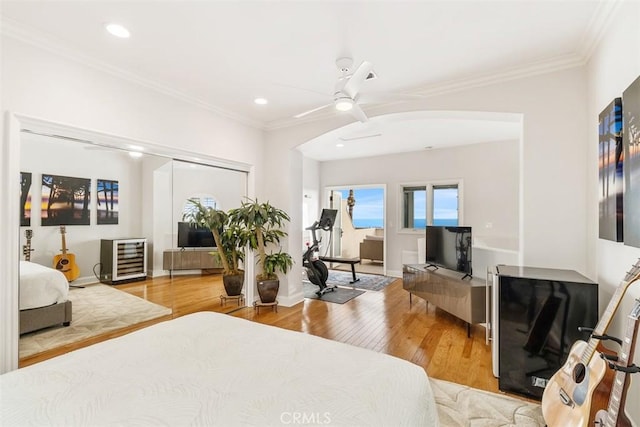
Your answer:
<point x="107" y="201"/>
<point x="65" y="200"/>
<point x="631" y="142"/>
<point x="25" y="199"/>
<point x="610" y="172"/>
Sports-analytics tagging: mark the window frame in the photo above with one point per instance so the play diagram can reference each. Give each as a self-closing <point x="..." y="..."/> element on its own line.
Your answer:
<point x="187" y="207"/>
<point x="429" y="186"/>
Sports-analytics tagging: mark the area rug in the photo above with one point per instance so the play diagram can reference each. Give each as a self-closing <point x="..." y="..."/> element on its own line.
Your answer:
<point x="338" y="295"/>
<point x="96" y="309"/>
<point x="368" y="282"/>
<point x="459" y="405"/>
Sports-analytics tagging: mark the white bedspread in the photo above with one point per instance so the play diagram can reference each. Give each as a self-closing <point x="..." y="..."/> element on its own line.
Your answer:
<point x="214" y="369"/>
<point x="41" y="286"/>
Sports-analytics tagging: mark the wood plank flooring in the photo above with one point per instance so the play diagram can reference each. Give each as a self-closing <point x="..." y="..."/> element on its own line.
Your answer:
<point x="381" y="321"/>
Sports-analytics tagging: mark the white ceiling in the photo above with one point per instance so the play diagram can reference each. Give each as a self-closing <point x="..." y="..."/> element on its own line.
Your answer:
<point x="223" y="54"/>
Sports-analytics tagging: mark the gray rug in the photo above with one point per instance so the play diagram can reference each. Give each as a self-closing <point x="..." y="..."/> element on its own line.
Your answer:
<point x="96" y="309"/>
<point x="368" y="282"/>
<point x="338" y="295"/>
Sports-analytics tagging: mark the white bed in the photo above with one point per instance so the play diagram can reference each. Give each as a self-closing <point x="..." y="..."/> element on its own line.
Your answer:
<point x="43" y="298"/>
<point x="41" y="286"/>
<point x="213" y="369"/>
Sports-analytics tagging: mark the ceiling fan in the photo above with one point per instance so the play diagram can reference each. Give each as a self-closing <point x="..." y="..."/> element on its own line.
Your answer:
<point x="346" y="96"/>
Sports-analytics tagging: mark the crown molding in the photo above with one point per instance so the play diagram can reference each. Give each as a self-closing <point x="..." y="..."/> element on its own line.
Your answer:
<point x="600" y="22"/>
<point x="23" y="33"/>
<point x="442" y="88"/>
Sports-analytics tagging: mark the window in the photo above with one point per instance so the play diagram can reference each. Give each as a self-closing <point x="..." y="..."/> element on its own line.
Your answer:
<point x="445" y="204"/>
<point x="414" y="201"/>
<point x="432" y="203"/>
<point x="207" y="202"/>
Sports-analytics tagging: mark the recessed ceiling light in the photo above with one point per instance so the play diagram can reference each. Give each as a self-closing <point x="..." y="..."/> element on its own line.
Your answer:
<point x="136" y="148"/>
<point x="118" y="30"/>
<point x="339" y="145"/>
<point x="261" y="101"/>
<point x="135" y="154"/>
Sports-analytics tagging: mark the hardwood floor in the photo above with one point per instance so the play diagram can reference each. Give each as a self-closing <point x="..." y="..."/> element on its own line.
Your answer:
<point x="381" y="321"/>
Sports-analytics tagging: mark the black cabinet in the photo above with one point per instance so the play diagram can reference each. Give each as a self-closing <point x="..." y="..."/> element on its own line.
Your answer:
<point x="538" y="313"/>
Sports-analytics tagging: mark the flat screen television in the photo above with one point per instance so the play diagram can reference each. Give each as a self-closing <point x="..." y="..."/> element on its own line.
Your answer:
<point x="192" y="236"/>
<point x="449" y="247"/>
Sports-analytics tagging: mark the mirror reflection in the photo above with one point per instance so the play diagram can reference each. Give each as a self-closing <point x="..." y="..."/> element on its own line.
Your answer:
<point x="103" y="244"/>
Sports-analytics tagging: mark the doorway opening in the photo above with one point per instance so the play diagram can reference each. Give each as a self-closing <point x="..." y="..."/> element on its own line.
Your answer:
<point x="359" y="230"/>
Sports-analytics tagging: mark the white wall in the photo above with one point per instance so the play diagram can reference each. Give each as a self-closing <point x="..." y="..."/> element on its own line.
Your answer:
<point x="490" y="187"/>
<point x="41" y="84"/>
<point x="310" y="196"/>
<point x="157" y="202"/>
<point x="611" y="69"/>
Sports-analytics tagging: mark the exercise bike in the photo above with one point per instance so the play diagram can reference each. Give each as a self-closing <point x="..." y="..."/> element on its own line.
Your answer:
<point x="317" y="271"/>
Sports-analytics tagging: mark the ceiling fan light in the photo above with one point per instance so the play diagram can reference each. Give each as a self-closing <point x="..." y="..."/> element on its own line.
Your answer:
<point x="118" y="30"/>
<point x="344" y="104"/>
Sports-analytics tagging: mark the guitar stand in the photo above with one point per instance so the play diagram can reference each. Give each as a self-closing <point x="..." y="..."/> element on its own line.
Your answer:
<point x="603" y="337"/>
<point x="631" y="369"/>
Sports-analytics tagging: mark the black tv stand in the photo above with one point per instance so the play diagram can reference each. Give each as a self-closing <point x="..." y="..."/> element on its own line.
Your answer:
<point x="467" y="275"/>
<point x="426" y="267"/>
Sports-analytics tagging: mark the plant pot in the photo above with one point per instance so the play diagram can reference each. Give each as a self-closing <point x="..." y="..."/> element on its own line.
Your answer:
<point x="233" y="284"/>
<point x="268" y="290"/>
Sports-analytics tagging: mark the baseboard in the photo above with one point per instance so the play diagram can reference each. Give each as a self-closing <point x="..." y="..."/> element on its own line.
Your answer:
<point x="394" y="273"/>
<point x="290" y="301"/>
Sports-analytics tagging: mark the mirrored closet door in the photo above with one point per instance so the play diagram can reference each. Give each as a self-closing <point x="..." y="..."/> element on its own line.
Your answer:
<point x="99" y="227"/>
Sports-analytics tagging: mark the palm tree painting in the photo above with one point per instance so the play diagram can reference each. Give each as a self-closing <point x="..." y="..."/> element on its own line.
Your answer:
<point x="65" y="200"/>
<point x="25" y="199"/>
<point x="107" y="202"/>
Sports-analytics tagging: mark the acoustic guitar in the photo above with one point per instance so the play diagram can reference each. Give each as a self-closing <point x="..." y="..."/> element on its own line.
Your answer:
<point x="567" y="399"/>
<point x="614" y="415"/>
<point x="26" y="249"/>
<point x="66" y="261"/>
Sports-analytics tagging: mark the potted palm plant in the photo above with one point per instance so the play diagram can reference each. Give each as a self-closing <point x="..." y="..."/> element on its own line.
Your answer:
<point x="230" y="241"/>
<point x="264" y="224"/>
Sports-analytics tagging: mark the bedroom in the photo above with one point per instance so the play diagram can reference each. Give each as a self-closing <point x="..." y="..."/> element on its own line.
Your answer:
<point x="62" y="93"/>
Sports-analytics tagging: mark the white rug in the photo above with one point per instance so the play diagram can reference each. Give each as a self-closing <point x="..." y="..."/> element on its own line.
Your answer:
<point x="459" y="405"/>
<point x="96" y="309"/>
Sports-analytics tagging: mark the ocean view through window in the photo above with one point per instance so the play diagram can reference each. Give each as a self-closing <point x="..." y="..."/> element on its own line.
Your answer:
<point x="368" y="211"/>
<point x="433" y="204"/>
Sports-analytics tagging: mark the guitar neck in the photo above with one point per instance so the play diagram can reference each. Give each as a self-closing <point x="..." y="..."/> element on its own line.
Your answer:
<point x="607" y="316"/>
<point x="64" y="244"/>
<point x="625" y="359"/>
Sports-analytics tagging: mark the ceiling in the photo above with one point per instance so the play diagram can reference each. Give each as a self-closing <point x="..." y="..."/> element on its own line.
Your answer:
<point x="221" y="55"/>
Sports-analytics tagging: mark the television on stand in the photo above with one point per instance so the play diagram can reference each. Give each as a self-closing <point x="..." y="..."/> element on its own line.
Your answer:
<point x="449" y="247"/>
<point x="193" y="236"/>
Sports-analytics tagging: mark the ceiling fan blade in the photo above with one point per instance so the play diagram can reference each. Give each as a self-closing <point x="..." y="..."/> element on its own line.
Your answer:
<point x="352" y="86"/>
<point x="357" y="112"/>
<point x="297" y="116"/>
